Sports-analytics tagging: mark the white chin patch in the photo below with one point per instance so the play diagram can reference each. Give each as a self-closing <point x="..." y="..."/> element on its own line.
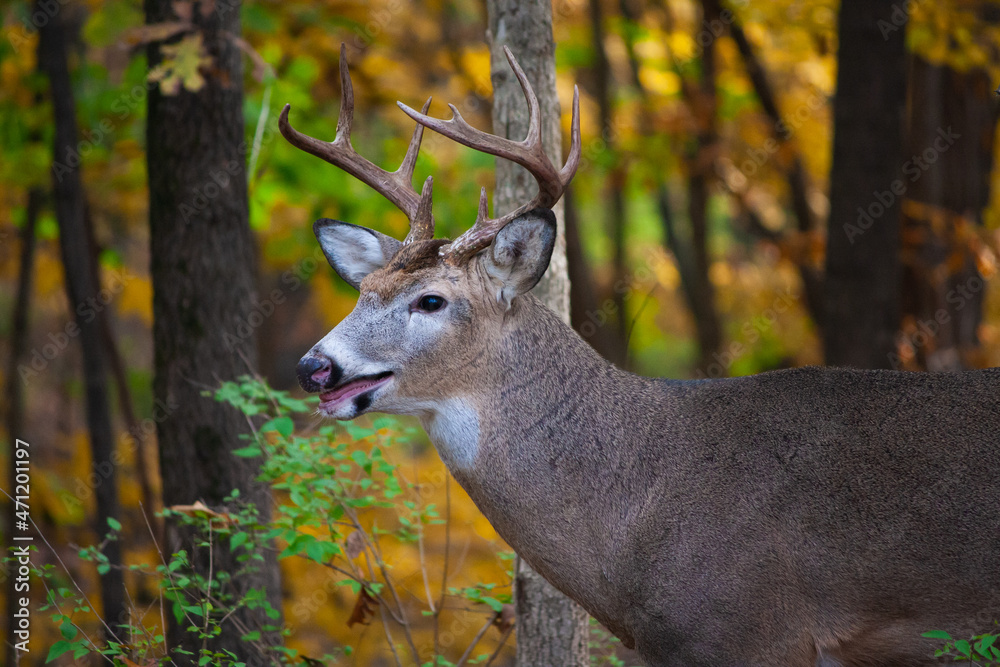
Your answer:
<point x="343" y="411"/>
<point x="454" y="429"/>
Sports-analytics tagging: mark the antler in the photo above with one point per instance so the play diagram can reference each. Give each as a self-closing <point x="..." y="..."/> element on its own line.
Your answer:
<point x="529" y="153"/>
<point x="396" y="186"/>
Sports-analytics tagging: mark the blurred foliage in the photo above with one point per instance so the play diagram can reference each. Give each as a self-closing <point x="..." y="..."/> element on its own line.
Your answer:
<point x="406" y="51"/>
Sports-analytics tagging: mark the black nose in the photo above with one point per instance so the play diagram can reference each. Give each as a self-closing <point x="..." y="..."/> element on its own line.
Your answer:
<point x="317" y="373"/>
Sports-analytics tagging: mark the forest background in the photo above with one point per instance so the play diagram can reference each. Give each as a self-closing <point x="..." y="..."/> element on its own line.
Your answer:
<point x="701" y="229"/>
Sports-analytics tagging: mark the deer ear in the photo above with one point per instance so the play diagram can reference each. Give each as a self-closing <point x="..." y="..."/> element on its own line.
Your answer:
<point x="354" y="251"/>
<point x="520" y="253"/>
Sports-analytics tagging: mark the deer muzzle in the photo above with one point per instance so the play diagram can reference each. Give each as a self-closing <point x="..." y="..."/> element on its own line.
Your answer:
<point x="318" y="373"/>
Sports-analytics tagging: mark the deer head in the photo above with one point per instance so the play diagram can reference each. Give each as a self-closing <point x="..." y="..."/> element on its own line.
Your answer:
<point x="428" y="308"/>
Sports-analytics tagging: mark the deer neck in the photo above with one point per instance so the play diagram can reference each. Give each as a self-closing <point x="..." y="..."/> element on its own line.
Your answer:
<point x="543" y="442"/>
<point x="533" y="372"/>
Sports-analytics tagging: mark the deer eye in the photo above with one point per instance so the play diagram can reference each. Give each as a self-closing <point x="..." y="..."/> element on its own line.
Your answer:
<point x="430" y="302"/>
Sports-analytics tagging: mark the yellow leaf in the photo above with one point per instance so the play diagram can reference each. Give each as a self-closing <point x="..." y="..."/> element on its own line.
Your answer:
<point x="682" y="45"/>
<point x="662" y="82"/>
<point x="181" y="65"/>
<point x="137" y="299"/>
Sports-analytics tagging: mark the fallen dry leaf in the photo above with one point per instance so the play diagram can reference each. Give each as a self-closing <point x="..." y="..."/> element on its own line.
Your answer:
<point x="355" y="544"/>
<point x="364" y="609"/>
<point x="505" y="619"/>
<point x="201" y="509"/>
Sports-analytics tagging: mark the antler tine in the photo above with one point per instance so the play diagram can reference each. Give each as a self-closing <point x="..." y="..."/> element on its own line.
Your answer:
<point x="534" y="137"/>
<point x="529" y="153"/>
<point x="396" y="186"/>
<point x="410" y="159"/>
<point x="575" y="145"/>
<point x="484" y="208"/>
<point x="421" y="224"/>
<point x="345" y="120"/>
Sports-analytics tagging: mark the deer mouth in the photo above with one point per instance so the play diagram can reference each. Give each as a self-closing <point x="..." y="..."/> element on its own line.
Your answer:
<point x="353" y="388"/>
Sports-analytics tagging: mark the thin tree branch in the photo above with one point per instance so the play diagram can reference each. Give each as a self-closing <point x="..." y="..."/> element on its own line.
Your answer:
<point x="475" y="640"/>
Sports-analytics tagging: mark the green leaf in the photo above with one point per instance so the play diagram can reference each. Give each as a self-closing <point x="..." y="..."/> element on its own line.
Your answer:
<point x="383" y="422"/>
<point x="983" y="646"/>
<point x="67" y="630"/>
<point x="58" y="649"/>
<point x="320" y="551"/>
<point x="937" y="634"/>
<point x="283" y="425"/>
<point x="194" y="609"/>
<point x="963" y="647"/>
<point x="361" y="460"/>
<point x="248" y="452"/>
<point x="113" y="524"/>
<point x="237" y="540"/>
<point x="493" y="603"/>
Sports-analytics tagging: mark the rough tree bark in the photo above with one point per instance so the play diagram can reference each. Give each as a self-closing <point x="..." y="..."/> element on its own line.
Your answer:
<point x="203" y="271"/>
<point x="82" y="289"/>
<point x="862" y="262"/>
<point x="551" y="629"/>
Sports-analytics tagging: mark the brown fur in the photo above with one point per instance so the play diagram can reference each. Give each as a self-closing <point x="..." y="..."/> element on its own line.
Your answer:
<point x="404" y="268"/>
<point x="802" y="518"/>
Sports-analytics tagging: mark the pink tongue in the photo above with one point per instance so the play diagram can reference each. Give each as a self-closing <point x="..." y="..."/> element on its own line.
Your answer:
<point x="348" y="390"/>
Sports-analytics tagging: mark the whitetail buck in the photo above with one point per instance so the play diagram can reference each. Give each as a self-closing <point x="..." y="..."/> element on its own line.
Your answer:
<point x="789" y="519"/>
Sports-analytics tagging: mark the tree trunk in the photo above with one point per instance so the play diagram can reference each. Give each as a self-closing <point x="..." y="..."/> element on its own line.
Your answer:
<point x="588" y="314"/>
<point x="615" y="211"/>
<point x="950" y="152"/>
<point x="15" y="398"/>
<point x="812" y="277"/>
<point x="700" y="176"/>
<point x="551" y="629"/>
<point x="203" y="272"/>
<point x="116" y="366"/>
<point x="862" y="263"/>
<point x="690" y="251"/>
<point x="82" y="291"/>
